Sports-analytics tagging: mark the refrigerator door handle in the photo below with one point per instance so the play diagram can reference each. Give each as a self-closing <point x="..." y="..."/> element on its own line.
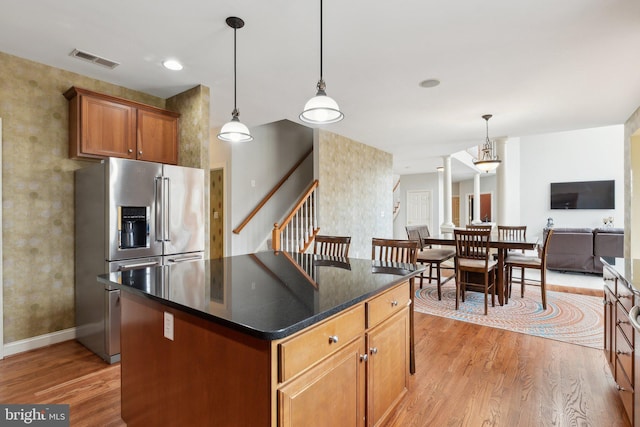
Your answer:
<point x="159" y="226"/>
<point x="167" y="210"/>
<point x="123" y="267"/>
<point x="185" y="258"/>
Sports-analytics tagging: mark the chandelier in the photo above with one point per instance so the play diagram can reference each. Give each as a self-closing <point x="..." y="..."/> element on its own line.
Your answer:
<point x="487" y="158"/>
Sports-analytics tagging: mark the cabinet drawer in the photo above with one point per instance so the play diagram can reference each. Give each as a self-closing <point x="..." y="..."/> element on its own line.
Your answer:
<point x="609" y="278"/>
<point x="304" y="350"/>
<point x="626" y="391"/>
<point x="624" y="354"/>
<point x="386" y="304"/>
<point x="623" y="322"/>
<point x="625" y="296"/>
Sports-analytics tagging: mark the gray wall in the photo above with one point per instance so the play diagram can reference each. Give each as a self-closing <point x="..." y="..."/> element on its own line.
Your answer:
<point x="276" y="147"/>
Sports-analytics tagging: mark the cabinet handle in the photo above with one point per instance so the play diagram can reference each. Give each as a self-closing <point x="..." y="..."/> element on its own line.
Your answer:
<point x="633" y="317"/>
<point x="333" y="339"/>
<point x="373" y="350"/>
<point x="620" y="388"/>
<point x="394" y="303"/>
<point x="364" y="357"/>
<point x="130" y="150"/>
<point x="624" y="296"/>
<point x="622" y="352"/>
<point x="140" y="152"/>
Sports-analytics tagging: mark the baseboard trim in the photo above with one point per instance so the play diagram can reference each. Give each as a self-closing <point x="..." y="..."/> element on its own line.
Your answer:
<point x="39" y="341"/>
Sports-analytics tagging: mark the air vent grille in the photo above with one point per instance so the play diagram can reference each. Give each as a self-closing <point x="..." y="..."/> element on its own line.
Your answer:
<point x="89" y="57"/>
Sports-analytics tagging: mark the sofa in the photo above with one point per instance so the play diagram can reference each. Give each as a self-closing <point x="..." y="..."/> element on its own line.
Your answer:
<point x="580" y="249"/>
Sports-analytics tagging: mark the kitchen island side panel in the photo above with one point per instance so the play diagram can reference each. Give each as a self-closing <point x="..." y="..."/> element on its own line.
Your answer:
<point x="206" y="375"/>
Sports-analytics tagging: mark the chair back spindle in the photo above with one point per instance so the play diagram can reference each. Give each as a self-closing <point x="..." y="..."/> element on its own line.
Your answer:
<point x="394" y="250"/>
<point x="335" y="246"/>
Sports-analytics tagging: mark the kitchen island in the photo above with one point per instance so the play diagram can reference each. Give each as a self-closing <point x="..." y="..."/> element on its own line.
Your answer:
<point x="622" y="329"/>
<point x="266" y="339"/>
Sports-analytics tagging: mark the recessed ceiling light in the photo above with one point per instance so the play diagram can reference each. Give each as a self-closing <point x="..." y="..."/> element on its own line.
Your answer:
<point x="429" y="83"/>
<point x="172" y="64"/>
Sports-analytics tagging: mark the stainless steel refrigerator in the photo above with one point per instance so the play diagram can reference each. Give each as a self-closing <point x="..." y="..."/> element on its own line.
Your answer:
<point x="129" y="214"/>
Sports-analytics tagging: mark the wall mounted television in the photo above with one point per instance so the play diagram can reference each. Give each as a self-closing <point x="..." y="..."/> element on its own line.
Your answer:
<point x="583" y="195"/>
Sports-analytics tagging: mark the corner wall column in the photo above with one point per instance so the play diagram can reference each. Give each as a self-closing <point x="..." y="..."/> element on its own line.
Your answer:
<point x="476" y="199"/>
<point x="501" y="183"/>
<point x="447" y="226"/>
<point x="440" y="172"/>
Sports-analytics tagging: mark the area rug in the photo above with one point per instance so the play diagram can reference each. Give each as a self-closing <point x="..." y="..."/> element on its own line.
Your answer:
<point x="572" y="318"/>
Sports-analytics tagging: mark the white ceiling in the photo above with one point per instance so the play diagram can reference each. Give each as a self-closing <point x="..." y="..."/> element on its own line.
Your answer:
<point x="537" y="66"/>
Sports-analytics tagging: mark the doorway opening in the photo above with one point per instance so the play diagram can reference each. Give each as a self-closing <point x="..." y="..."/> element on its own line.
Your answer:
<point x="485" y="208"/>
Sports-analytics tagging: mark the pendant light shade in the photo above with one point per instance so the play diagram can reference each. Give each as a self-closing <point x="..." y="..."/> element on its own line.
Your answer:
<point x="321" y="109"/>
<point x="488" y="159"/>
<point x="235" y="131"/>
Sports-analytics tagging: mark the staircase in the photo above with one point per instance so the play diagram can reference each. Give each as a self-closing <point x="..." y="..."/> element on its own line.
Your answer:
<point x="298" y="229"/>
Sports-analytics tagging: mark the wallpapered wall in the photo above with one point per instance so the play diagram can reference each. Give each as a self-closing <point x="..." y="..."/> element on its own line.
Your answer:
<point x="355" y="191"/>
<point x="37" y="202"/>
<point x="631" y="197"/>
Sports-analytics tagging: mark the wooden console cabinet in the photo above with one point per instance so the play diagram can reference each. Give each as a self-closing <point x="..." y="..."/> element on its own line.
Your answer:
<point x="620" y="340"/>
<point x="105" y="126"/>
<point x="350" y="369"/>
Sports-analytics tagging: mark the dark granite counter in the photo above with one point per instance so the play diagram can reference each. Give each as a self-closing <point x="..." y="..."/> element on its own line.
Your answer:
<point x="268" y="295"/>
<point x="628" y="270"/>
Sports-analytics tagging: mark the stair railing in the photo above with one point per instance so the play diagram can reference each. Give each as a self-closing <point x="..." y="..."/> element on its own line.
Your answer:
<point x="296" y="232"/>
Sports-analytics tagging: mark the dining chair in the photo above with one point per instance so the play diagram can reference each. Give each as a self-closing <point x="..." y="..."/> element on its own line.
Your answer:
<point x="534" y="262"/>
<point x="394" y="250"/>
<point x="473" y="259"/>
<point x="513" y="232"/>
<point x="482" y="227"/>
<point x="433" y="257"/>
<point x="400" y="251"/>
<point x="337" y="246"/>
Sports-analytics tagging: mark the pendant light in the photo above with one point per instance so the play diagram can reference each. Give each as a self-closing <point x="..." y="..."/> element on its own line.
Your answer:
<point x="321" y="109"/>
<point x="235" y="131"/>
<point x="488" y="160"/>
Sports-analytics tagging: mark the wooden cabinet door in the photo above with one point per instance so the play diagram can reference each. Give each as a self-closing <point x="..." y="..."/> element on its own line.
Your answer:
<point x="330" y="394"/>
<point x="157" y="137"/>
<point x="107" y="128"/>
<point x="388" y="366"/>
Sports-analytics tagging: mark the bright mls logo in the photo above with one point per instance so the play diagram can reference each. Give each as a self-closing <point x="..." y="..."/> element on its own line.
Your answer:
<point x="34" y="415"/>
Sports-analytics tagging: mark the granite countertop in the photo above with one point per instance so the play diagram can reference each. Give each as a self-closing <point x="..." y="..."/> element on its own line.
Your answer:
<point x="269" y="295"/>
<point x="628" y="269"/>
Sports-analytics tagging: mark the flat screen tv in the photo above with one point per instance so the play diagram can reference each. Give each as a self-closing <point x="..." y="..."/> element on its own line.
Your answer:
<point x="583" y="195"/>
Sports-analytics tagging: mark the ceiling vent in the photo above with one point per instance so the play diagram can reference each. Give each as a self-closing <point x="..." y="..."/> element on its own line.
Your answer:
<point x="89" y="57"/>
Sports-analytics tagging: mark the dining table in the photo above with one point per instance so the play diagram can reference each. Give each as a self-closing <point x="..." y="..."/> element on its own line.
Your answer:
<point x="502" y="246"/>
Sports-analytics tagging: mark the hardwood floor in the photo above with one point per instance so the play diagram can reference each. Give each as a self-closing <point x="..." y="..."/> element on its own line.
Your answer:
<point x="480" y="376"/>
<point x="467" y="375"/>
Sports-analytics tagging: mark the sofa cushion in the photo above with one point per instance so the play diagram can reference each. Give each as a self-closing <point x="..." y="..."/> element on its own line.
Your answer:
<point x="608" y="242"/>
<point x="571" y="249"/>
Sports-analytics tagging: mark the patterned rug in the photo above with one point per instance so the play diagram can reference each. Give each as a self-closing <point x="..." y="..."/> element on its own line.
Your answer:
<point x="572" y="318"/>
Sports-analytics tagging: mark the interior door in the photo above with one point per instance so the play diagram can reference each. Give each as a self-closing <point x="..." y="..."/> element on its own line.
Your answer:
<point x="419" y="208"/>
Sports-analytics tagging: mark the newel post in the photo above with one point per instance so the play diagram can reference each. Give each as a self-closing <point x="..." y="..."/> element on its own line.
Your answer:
<point x="275" y="237"/>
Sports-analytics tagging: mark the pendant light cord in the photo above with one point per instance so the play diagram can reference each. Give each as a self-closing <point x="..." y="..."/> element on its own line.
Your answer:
<point x="235" y="95"/>
<point x="320" y="39"/>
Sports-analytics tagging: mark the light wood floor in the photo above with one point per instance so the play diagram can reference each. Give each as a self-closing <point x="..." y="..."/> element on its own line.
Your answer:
<point x="467" y="375"/>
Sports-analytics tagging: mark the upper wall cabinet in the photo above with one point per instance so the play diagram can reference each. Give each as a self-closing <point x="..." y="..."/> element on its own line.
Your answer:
<point x="105" y="126"/>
